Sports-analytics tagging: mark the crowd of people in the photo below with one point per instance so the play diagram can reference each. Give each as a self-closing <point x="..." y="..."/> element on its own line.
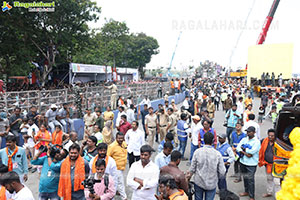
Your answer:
<point x="94" y="168"/>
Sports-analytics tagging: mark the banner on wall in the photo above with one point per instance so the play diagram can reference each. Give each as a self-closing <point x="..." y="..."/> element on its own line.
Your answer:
<point x="84" y="68"/>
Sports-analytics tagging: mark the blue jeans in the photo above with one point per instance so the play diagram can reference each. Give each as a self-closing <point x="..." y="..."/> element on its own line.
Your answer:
<point x="229" y="131"/>
<point x="182" y="146"/>
<point x="193" y="149"/>
<point x="222" y="184"/>
<point x="199" y="193"/>
<point x="49" y="196"/>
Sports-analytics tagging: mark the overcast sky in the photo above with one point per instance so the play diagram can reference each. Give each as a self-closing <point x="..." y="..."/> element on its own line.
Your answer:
<point x="210" y="28"/>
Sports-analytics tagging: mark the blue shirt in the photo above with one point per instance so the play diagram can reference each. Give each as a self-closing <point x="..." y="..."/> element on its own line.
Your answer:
<point x="232" y="120"/>
<point x="19" y="160"/>
<point x="235" y="138"/>
<point x="161" y="145"/>
<point x="202" y="132"/>
<point x="253" y="146"/>
<point x="49" y="176"/>
<point x="162" y="160"/>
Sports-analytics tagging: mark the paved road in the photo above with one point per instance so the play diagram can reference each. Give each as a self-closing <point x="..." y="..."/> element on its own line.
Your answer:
<point x="260" y="177"/>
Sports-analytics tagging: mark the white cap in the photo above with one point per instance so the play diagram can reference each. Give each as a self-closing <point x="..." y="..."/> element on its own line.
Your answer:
<point x="53" y="106"/>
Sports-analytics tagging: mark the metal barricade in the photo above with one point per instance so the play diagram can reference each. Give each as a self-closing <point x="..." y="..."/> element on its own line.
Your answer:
<point x="96" y="96"/>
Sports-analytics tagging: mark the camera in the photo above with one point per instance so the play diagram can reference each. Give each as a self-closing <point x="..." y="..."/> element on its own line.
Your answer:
<point x="89" y="184"/>
<point x="54" y="149"/>
<point x="43" y="149"/>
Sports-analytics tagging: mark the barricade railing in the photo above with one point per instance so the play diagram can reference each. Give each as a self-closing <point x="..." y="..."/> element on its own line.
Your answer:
<point x="92" y="96"/>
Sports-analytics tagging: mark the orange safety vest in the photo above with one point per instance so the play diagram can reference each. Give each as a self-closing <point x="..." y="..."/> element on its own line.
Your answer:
<point x="172" y="84"/>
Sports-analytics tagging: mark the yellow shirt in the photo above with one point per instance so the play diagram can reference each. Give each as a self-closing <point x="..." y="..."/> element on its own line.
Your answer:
<point x="248" y="101"/>
<point x="108" y="115"/>
<point x="119" y="154"/>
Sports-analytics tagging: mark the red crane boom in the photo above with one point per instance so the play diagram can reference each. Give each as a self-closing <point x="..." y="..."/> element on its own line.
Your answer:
<point x="267" y="24"/>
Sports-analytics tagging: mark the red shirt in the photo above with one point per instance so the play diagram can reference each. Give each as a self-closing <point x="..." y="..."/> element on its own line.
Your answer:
<point x="124" y="127"/>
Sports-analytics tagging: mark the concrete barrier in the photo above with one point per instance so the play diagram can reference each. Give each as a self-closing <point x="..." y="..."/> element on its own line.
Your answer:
<point x="79" y="124"/>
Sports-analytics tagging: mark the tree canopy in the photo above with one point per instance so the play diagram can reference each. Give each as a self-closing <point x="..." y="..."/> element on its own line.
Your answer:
<point x="52" y="38"/>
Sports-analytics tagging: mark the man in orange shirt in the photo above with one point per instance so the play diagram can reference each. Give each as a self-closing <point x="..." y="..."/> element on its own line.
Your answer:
<point x="172" y="87"/>
<point x="168" y="189"/>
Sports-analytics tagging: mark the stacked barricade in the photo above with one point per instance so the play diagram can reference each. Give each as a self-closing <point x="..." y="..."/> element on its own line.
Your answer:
<point x="92" y="96"/>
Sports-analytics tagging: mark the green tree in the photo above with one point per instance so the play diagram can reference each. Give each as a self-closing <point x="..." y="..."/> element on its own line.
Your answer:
<point x="141" y="48"/>
<point x="47" y="37"/>
<point x="113" y="40"/>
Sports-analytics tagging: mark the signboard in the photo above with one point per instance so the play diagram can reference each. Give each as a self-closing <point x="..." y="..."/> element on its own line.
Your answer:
<point x="241" y="73"/>
<point x="131" y="70"/>
<point x="121" y="70"/>
<point x="83" y="68"/>
<point x="277" y="58"/>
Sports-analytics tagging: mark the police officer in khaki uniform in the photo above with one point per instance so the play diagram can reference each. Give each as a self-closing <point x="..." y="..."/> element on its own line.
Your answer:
<point x="89" y="121"/>
<point x="162" y="123"/>
<point x="114" y="96"/>
<point x="150" y="126"/>
<point x="172" y="125"/>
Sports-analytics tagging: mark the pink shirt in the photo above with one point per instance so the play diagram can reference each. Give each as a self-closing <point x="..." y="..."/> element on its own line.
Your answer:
<point x="99" y="190"/>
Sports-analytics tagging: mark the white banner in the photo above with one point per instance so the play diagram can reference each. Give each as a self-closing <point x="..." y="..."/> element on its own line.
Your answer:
<point x="83" y="68"/>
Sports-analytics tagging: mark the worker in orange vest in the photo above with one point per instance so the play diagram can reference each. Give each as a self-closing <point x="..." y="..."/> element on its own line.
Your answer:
<point x="172" y="87"/>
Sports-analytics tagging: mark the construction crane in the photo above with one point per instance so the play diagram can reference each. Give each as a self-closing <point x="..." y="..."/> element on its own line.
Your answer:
<point x="267" y="24"/>
<point x="170" y="66"/>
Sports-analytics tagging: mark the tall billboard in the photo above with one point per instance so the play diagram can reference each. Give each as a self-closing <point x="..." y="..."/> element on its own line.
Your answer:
<point x="277" y="58"/>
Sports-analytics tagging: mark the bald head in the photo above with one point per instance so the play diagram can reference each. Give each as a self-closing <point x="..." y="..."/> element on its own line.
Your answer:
<point x="73" y="136"/>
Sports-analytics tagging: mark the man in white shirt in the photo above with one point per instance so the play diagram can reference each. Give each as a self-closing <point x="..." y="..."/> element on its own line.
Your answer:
<point x="129" y="101"/>
<point x="164" y="158"/>
<point x="134" y="138"/>
<point x="147" y="101"/>
<point x="176" y="83"/>
<point x="28" y="140"/>
<point x="251" y="122"/>
<point x="73" y="139"/>
<point x="98" y="134"/>
<point x="120" y="113"/>
<point x="130" y="114"/>
<point x="11" y="181"/>
<point x="51" y="117"/>
<point x="200" y="94"/>
<point x="64" y="118"/>
<point x="185" y="103"/>
<point x="143" y="176"/>
<point x="240" y="105"/>
<point x="195" y="130"/>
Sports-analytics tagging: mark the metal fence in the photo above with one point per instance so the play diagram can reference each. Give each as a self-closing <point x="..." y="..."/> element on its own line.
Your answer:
<point x="92" y="96"/>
